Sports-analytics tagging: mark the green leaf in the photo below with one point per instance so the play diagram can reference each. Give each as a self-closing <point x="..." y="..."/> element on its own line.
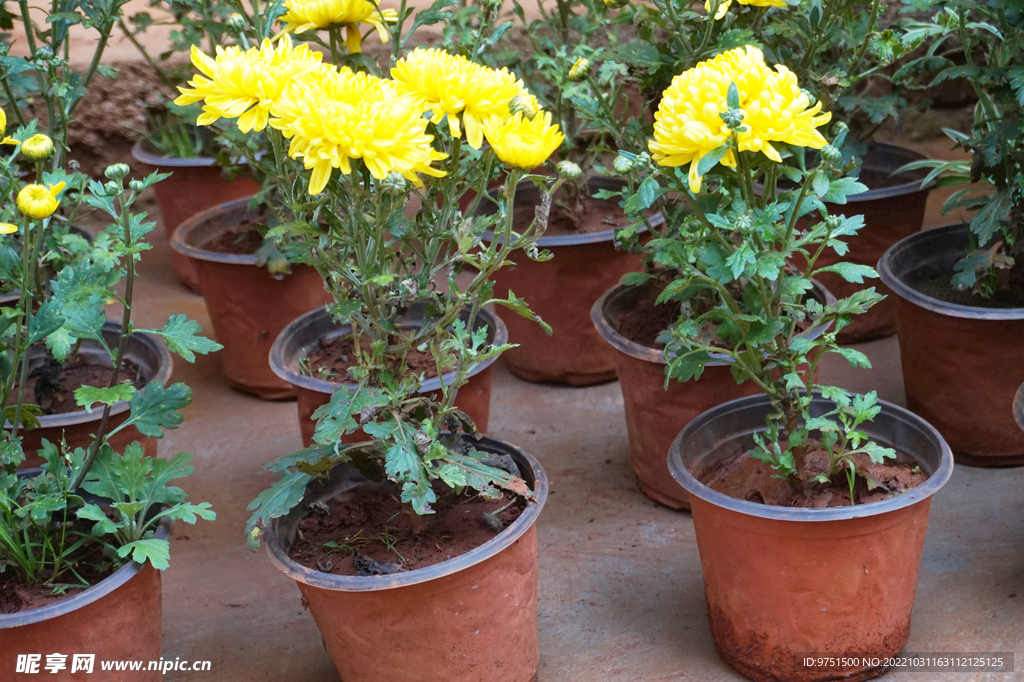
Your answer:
<point x="711" y="159"/>
<point x="156" y="408"/>
<point x="87" y="396"/>
<point x="180" y="333"/>
<point x="345" y="411"/>
<point x="854" y="357"/>
<point x="851" y="272"/>
<point x="46" y="321"/>
<point x="157" y="552"/>
<point x="92" y="512"/>
<point x="274" y="502"/>
<point x="189" y="513"/>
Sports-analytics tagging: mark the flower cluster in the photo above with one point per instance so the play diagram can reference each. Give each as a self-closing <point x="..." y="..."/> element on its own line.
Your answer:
<point x="451" y="85"/>
<point x="309" y="15"/>
<point x="332" y="116"/>
<point x="690" y="121"/>
<point x="245" y="84"/>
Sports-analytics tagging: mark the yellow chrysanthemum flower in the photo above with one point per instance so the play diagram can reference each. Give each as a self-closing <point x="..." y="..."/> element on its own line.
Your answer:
<point x="724" y="7"/>
<point x="309" y="15"/>
<point x="522" y="142"/>
<point x="455" y="87"/>
<point x="245" y="85"/>
<point x="3" y="122"/>
<point x="332" y="117"/>
<point x="688" y="124"/>
<point x="8" y="228"/>
<point x="38" y="202"/>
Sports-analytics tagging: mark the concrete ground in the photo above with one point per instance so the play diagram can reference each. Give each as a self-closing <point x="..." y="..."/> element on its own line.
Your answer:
<point x="621" y="593"/>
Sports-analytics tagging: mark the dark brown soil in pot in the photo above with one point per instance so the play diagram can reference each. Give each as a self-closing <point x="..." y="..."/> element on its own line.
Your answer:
<point x="52" y="386"/>
<point x="959" y="362"/>
<point x="305" y="338"/>
<point x="655" y="412"/>
<point x="467" y="619"/>
<point x="194" y="186"/>
<point x="148" y="360"/>
<point x="371" y="531"/>
<point x="782" y="583"/>
<point x="248" y="306"/>
<point x="586" y="263"/>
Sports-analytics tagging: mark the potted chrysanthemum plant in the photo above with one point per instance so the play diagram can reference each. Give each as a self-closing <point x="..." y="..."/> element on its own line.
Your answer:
<point x="798" y="488"/>
<point x="410" y="534"/>
<point x="959" y="289"/>
<point x="83" y="535"/>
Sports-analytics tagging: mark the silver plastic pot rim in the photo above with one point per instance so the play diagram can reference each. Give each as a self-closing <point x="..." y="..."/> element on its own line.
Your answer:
<point x="180" y="240"/>
<point x="348" y="583"/>
<point x="695" y="488"/>
<point x="85" y="597"/>
<point x="607" y="330"/>
<point x="1018" y="406"/>
<point x="920" y="242"/>
<point x="279" y="359"/>
<point x="144" y="152"/>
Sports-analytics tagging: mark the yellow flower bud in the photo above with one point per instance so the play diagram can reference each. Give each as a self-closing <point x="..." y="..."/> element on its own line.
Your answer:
<point x="39" y="147"/>
<point x="579" y="70"/>
<point x="8" y="228"/>
<point x="38" y="202"/>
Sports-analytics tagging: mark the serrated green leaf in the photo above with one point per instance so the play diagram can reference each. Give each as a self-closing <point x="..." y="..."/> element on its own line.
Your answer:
<point x="151" y="550"/>
<point x="181" y="336"/>
<point x="87" y="396"/>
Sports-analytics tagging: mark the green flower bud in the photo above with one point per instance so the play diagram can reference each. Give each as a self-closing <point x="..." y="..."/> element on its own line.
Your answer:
<point x="622" y="165"/>
<point x="569" y="170"/>
<point x="395" y="182"/>
<point x="614" y="4"/>
<point x="236" y="21"/>
<point x="112" y="188"/>
<point x="117" y="171"/>
<point x="733" y="118"/>
<point x="830" y="154"/>
<point x="811" y="99"/>
<point x="135" y="185"/>
<point x="579" y="70"/>
<point x="39" y="147"/>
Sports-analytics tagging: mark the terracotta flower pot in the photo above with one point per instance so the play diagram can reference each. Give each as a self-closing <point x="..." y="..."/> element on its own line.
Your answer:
<point x="248" y="306"/>
<point x="146" y="352"/>
<point x="561" y="291"/>
<point x="890" y="214"/>
<point x="194" y="186"/>
<point x="467" y="619"/>
<point x="961" y="364"/>
<point x="654" y="412"/>
<point x="118" y="619"/>
<point x="783" y="582"/>
<point x="306" y="333"/>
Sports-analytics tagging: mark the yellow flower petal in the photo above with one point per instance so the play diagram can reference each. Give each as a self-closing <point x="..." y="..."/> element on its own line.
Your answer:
<point x="8" y="228"/>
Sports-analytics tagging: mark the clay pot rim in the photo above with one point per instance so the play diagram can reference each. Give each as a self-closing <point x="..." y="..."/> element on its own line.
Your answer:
<point x="610" y="334"/>
<point x="165" y="367"/>
<point x="143" y="151"/>
<point x="599" y="182"/>
<point x="1018" y="406"/>
<point x="86" y="597"/>
<point x="902" y="156"/>
<point x="924" y="241"/>
<point x="280" y="359"/>
<point x="695" y="488"/>
<point x="347" y="583"/>
<point x="179" y="239"/>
